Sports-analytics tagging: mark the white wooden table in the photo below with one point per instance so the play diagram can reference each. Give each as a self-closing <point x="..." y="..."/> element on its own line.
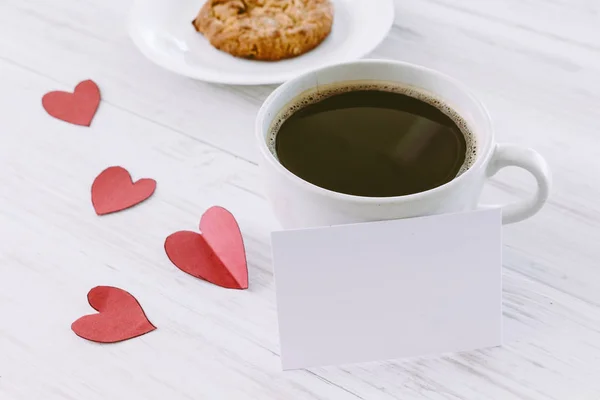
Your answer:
<point x="535" y="63"/>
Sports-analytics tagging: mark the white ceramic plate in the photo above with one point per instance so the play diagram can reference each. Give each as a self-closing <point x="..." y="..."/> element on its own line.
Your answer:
<point x="163" y="31"/>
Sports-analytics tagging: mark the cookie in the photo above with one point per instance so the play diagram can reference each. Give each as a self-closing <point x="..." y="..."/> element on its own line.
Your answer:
<point x="267" y="30"/>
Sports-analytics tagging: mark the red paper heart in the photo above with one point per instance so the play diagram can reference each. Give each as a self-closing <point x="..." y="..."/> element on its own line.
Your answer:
<point x="120" y="317"/>
<point x="76" y="108"/>
<point x="216" y="255"/>
<point x="113" y="190"/>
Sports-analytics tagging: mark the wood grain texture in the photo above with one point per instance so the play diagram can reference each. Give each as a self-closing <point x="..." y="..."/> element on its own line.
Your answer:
<point x="535" y="63"/>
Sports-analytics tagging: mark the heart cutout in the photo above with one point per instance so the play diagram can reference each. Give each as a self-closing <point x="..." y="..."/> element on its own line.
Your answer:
<point x="76" y="108"/>
<point x="216" y="255"/>
<point x="113" y="190"/>
<point x="120" y="317"/>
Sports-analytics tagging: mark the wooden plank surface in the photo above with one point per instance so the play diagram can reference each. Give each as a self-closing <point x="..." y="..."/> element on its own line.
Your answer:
<point x="536" y="65"/>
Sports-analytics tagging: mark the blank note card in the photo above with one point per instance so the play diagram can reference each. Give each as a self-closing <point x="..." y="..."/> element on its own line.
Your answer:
<point x="386" y="290"/>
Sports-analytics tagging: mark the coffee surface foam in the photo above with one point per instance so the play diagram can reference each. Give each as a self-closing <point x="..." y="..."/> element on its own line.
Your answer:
<point x="320" y="93"/>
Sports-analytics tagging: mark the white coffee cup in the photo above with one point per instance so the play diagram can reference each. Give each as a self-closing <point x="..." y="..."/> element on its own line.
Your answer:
<point x="300" y="204"/>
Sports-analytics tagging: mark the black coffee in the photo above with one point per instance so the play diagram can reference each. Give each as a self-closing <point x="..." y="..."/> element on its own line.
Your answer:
<point x="371" y="142"/>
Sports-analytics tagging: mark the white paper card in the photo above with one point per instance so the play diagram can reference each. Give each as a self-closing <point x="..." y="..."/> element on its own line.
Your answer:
<point x="385" y="290"/>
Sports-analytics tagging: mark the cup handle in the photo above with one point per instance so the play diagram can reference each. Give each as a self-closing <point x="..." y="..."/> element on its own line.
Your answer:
<point x="507" y="155"/>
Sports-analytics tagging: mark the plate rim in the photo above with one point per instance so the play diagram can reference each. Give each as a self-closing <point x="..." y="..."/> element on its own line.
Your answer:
<point x="236" y="79"/>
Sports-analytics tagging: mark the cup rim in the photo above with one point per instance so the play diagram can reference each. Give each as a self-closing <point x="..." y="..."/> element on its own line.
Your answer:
<point x="272" y="160"/>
